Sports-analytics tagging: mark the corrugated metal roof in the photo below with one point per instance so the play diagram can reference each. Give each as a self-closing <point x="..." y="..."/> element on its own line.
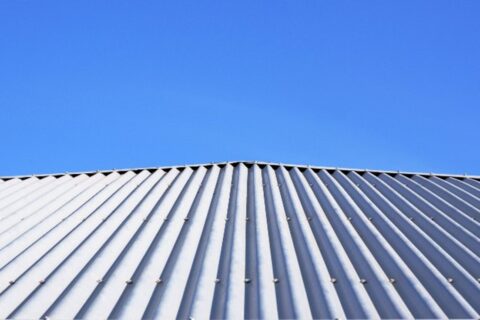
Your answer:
<point x="240" y="240"/>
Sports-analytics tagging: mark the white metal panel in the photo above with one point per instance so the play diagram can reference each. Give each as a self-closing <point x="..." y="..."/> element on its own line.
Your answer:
<point x="208" y="281"/>
<point x="240" y="240"/>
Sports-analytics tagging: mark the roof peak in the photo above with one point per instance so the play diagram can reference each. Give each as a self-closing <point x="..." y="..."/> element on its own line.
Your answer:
<point x="245" y="162"/>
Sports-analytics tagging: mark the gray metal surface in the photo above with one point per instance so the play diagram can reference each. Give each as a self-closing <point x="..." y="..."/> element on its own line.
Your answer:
<point x="240" y="240"/>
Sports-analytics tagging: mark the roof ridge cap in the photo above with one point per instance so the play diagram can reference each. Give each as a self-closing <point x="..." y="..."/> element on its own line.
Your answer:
<point x="248" y="162"/>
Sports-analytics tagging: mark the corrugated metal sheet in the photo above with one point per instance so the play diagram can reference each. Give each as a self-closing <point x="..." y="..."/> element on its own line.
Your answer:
<point x="240" y="240"/>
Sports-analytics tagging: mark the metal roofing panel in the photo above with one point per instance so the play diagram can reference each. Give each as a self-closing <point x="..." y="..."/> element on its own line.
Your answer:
<point x="240" y="240"/>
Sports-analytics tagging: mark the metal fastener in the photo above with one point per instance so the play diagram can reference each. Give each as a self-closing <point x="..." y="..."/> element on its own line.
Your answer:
<point x="275" y="280"/>
<point x="158" y="281"/>
<point x="129" y="281"/>
<point x="247" y="280"/>
<point x="450" y="280"/>
<point x="392" y="280"/>
<point x="217" y="280"/>
<point x="333" y="280"/>
<point x="363" y="281"/>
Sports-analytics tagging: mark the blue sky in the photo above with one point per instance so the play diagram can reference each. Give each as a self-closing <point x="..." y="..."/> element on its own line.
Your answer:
<point x="88" y="85"/>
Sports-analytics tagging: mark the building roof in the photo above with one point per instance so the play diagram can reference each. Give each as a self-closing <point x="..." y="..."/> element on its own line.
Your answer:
<point x="240" y="240"/>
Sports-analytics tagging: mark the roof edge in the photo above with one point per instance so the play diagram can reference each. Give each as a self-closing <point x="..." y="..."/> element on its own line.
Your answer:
<point x="248" y="162"/>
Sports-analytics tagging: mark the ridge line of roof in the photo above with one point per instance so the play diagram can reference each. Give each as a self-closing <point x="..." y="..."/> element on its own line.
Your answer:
<point x="250" y="162"/>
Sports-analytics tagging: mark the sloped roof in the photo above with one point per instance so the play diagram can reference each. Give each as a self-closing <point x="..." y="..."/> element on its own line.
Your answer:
<point x="240" y="240"/>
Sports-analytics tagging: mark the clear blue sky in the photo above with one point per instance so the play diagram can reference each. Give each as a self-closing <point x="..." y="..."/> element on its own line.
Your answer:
<point x="88" y="85"/>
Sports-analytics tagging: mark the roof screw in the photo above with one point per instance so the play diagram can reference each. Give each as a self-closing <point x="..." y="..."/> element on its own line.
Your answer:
<point x="275" y="280"/>
<point x="247" y="280"/>
<point x="217" y="280"/>
<point x="349" y="218"/>
<point x="309" y="218"/>
<point x="432" y="217"/>
<point x="247" y="218"/>
<point x="41" y="281"/>
<point x="11" y="282"/>
<point x="333" y="280"/>
<point x="288" y="218"/>
<point x="129" y="281"/>
<point x="186" y="219"/>
<point x="191" y="318"/>
<point x="370" y="218"/>
<point x="226" y="219"/>
<point x="450" y="280"/>
<point x="391" y="280"/>
<point x="165" y="219"/>
<point x="363" y="281"/>
<point x="158" y="281"/>
<point x="99" y="280"/>
<point x="411" y="218"/>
